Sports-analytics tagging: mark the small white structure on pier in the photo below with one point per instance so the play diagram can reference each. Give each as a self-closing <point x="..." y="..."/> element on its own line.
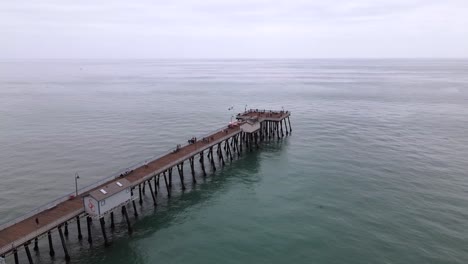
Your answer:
<point x="101" y="201"/>
<point x="250" y="125"/>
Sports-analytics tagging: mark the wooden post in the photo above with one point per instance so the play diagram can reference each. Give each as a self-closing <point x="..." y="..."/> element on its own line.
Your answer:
<point x="277" y="130"/>
<point x="238" y="146"/>
<point x="65" y="251"/>
<point x="290" y="129"/>
<point x="112" y="225"/>
<point x="202" y="162"/>
<point x="170" y="176"/>
<point x="51" y="246"/>
<point x="141" y="196"/>
<point x="168" y="188"/>
<point x="143" y="189"/>
<point x="88" y="221"/>
<point x="103" y="228"/>
<point x="256" y="139"/>
<point x="286" y="126"/>
<point x="156" y="185"/>
<point x="152" y="193"/>
<point x="28" y="253"/>
<point x="240" y="142"/>
<point x="228" y="149"/>
<point x="36" y="244"/>
<point x="180" y="168"/>
<point x="192" y="169"/>
<point x="66" y="229"/>
<point x="15" y="254"/>
<point x="78" y="227"/>
<point x="281" y="124"/>
<point x="135" y="212"/>
<point x="212" y="158"/>
<point x="220" y="154"/>
<point x="124" y="213"/>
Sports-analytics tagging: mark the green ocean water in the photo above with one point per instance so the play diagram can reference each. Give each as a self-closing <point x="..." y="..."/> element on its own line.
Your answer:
<point x="374" y="171"/>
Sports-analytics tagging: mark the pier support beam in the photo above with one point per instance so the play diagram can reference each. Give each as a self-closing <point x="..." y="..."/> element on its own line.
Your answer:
<point x="36" y="244"/>
<point x="28" y="253"/>
<point x="169" y="171"/>
<point x="289" y="122"/>
<point x="51" y="246"/>
<point x="277" y="130"/>
<point x="112" y="225"/>
<point x="192" y="169"/>
<point x="124" y="213"/>
<point x="140" y="201"/>
<point x="202" y="162"/>
<point x="168" y="188"/>
<point x="180" y="168"/>
<point x="88" y="224"/>
<point x="15" y="255"/>
<point x="135" y="212"/>
<point x="228" y="149"/>
<point x="281" y="124"/>
<point x="211" y="157"/>
<point x="156" y="184"/>
<point x="103" y="228"/>
<point x="78" y="227"/>
<point x="220" y="154"/>
<point x="286" y="127"/>
<point x="62" y="239"/>
<point x="66" y="229"/>
<point x="152" y="193"/>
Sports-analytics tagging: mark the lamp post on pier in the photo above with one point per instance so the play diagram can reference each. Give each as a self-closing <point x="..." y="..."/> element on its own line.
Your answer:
<point x="76" y="183"/>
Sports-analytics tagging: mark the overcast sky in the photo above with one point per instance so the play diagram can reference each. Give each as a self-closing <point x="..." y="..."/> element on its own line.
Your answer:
<point x="233" y="28"/>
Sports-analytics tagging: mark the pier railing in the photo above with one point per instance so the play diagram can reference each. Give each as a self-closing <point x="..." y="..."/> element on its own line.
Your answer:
<point x="91" y="186"/>
<point x="39" y="231"/>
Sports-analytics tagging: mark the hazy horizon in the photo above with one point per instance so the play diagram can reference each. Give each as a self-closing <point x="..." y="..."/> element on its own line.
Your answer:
<point x="257" y="29"/>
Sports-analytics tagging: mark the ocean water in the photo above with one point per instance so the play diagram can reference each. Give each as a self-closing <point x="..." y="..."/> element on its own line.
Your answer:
<point x="375" y="170"/>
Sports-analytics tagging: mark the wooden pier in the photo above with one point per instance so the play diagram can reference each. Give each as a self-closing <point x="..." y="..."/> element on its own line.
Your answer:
<point x="225" y="144"/>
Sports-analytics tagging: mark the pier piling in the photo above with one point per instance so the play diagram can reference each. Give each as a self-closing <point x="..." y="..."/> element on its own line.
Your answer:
<point x="28" y="253"/>
<point x="51" y="246"/>
<point x="88" y="224"/>
<point x="66" y="229"/>
<point x="140" y="201"/>
<point x="36" y="244"/>
<point x="202" y="162"/>
<point x="62" y="239"/>
<point x="180" y="168"/>
<point x="152" y="193"/>
<point x="168" y="188"/>
<point x="192" y="169"/>
<point x="112" y="225"/>
<point x="124" y="213"/>
<point x="15" y="255"/>
<point x="135" y="212"/>
<point x="103" y="228"/>
<point x="78" y="227"/>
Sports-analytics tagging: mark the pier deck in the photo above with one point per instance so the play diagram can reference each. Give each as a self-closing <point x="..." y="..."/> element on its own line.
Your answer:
<point x="22" y="232"/>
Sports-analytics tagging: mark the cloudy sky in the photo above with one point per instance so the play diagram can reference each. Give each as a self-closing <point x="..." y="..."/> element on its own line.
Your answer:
<point x="233" y="28"/>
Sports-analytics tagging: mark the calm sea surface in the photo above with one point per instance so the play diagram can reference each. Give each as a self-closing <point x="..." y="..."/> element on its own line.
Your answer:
<point x="376" y="170"/>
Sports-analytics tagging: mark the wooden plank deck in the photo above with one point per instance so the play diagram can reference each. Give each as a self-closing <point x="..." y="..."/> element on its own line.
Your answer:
<point x="11" y="236"/>
<point x="19" y="233"/>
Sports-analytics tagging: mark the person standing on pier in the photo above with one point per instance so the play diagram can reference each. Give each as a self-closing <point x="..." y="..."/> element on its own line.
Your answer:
<point x="37" y="221"/>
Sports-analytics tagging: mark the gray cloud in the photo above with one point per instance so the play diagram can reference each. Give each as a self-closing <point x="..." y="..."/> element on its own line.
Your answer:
<point x="229" y="28"/>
